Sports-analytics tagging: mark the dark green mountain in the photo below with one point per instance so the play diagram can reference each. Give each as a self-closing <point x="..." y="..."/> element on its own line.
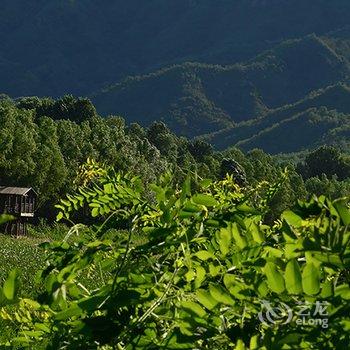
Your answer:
<point x="237" y="72"/>
<point x="194" y="99"/>
<point x="78" y="46"/>
<point x="317" y="119"/>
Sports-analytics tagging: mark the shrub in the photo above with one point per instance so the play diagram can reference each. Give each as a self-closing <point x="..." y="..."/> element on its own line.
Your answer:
<point x="191" y="270"/>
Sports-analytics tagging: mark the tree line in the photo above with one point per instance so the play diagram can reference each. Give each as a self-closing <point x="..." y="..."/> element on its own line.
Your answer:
<point x="44" y="141"/>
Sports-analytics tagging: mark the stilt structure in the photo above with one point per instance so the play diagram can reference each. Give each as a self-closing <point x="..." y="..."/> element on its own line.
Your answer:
<point x="19" y="202"/>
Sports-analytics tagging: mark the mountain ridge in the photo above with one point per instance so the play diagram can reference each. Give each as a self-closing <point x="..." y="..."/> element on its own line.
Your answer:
<point x="219" y="70"/>
<point x="81" y="46"/>
<point x="230" y="94"/>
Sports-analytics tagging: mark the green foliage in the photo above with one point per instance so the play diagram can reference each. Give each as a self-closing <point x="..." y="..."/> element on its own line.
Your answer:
<point x="328" y="161"/>
<point x="332" y="188"/>
<point x="199" y="277"/>
<point x="27" y="256"/>
<point x="43" y="142"/>
<point x="45" y="152"/>
<point x="24" y="255"/>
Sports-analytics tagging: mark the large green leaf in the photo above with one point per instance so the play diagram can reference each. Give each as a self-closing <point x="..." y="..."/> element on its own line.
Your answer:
<point x="235" y="288"/>
<point x="200" y="276"/>
<point x="204" y="199"/>
<point x="90" y="304"/>
<point x="343" y="291"/>
<point x="328" y="258"/>
<point x="10" y="285"/>
<point x="206" y="299"/>
<point x="220" y="294"/>
<point x="275" y="279"/>
<point x="256" y="233"/>
<point x="204" y="255"/>
<point x="229" y="280"/>
<point x="343" y="212"/>
<point x="292" y="218"/>
<point x="293" y="278"/>
<point x="224" y="238"/>
<point x="73" y="311"/>
<point x="311" y="279"/>
<point x="239" y="239"/>
<point x="193" y="308"/>
<point x="327" y="289"/>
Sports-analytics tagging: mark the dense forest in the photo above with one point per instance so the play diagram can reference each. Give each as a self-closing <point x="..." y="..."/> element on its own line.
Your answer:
<point x="44" y="142"/>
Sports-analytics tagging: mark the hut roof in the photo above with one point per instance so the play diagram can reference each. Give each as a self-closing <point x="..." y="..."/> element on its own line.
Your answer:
<point x="20" y="191"/>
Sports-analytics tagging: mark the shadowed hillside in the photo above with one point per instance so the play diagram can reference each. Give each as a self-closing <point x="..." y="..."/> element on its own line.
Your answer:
<point x="227" y="70"/>
<point x="195" y="99"/>
<point x="79" y="46"/>
<point x="296" y="126"/>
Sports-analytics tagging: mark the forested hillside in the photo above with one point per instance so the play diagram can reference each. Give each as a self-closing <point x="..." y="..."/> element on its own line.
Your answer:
<point x="43" y="143"/>
<point x="210" y="98"/>
<point x="249" y="60"/>
<point x="77" y="46"/>
<point x="322" y="117"/>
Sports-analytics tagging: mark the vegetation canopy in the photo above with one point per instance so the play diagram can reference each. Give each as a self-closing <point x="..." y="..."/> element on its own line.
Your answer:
<point x="186" y="267"/>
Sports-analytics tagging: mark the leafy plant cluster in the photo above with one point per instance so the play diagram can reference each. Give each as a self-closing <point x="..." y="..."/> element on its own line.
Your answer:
<point x="188" y="268"/>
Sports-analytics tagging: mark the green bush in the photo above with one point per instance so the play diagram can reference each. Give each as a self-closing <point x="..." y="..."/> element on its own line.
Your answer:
<point x="190" y="270"/>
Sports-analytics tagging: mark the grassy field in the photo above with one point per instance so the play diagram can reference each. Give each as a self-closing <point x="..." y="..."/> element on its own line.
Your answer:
<point x="25" y="255"/>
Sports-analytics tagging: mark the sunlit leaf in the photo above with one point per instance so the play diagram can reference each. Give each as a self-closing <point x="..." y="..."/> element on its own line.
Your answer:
<point x="343" y="211"/>
<point x="206" y="299"/>
<point x="293" y="277"/>
<point x="204" y="255"/>
<point x="205" y="200"/>
<point x="292" y="218"/>
<point x="275" y="279"/>
<point x="193" y="308"/>
<point x="224" y="240"/>
<point x="220" y="294"/>
<point x="311" y="279"/>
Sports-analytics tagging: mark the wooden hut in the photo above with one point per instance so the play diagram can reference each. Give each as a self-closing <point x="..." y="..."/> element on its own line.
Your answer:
<point x="19" y="202"/>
